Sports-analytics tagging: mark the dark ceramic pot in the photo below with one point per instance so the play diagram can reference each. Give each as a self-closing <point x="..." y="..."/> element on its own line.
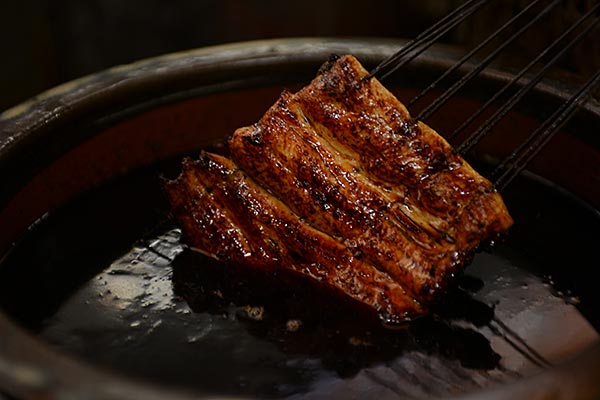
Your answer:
<point x="83" y="134"/>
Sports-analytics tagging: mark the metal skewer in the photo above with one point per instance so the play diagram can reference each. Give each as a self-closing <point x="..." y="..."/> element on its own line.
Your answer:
<point x="426" y="39"/>
<point x="441" y="100"/>
<point x="518" y="159"/>
<point x="492" y="121"/>
<point x="516" y="162"/>
<point x="559" y="41"/>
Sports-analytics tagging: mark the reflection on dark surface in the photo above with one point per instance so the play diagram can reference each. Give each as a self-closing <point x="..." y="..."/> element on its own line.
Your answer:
<point x="345" y="337"/>
<point x="65" y="250"/>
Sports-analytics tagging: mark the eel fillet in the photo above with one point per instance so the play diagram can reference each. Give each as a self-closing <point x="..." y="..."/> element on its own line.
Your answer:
<point x="337" y="183"/>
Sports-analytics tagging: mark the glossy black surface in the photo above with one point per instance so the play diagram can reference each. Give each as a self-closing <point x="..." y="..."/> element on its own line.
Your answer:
<point x="106" y="278"/>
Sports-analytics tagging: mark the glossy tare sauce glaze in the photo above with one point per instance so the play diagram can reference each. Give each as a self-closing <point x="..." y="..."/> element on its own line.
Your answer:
<point x="338" y="184"/>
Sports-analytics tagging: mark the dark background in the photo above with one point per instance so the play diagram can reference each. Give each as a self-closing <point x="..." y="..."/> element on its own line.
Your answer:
<point x="46" y="42"/>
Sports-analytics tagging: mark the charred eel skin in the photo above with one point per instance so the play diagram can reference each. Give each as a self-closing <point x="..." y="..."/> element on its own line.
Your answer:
<point x="338" y="184"/>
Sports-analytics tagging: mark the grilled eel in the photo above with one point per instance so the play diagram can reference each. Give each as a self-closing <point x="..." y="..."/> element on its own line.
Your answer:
<point x="338" y="184"/>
